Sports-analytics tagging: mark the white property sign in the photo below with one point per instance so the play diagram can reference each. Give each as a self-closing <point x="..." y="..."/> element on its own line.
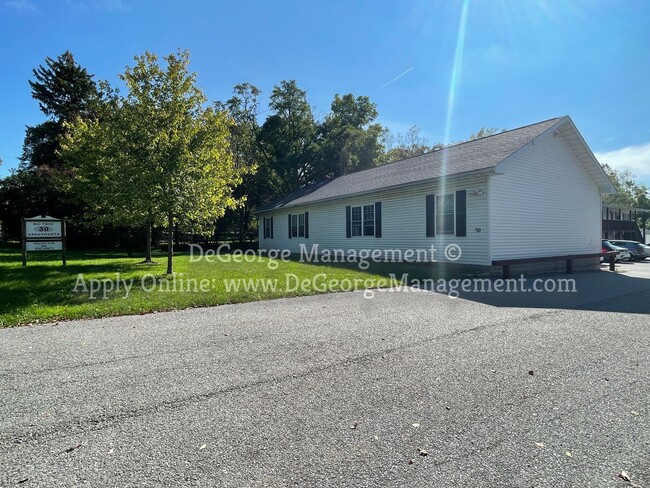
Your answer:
<point x="43" y="233"/>
<point x="44" y="246"/>
<point x="43" y="229"/>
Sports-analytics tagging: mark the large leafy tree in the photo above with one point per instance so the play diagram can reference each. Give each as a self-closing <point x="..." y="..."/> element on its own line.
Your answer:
<point x="629" y="192"/>
<point x="348" y="140"/>
<point x="158" y="155"/>
<point x="243" y="108"/>
<point x="287" y="139"/>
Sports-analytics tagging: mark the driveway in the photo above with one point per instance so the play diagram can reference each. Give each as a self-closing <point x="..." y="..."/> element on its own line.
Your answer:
<point x="339" y="390"/>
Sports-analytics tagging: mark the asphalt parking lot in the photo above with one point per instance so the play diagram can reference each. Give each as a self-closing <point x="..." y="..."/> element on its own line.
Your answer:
<point x="405" y="389"/>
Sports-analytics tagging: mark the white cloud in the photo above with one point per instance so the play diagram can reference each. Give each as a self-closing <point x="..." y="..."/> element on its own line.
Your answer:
<point x="634" y="158"/>
<point x="24" y="5"/>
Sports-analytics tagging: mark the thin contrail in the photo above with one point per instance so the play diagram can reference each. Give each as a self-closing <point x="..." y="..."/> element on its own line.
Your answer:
<point x="395" y="79"/>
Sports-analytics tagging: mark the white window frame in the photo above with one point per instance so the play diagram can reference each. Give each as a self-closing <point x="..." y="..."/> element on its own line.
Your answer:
<point x="362" y="221"/>
<point x="370" y="220"/>
<point x="439" y="214"/>
<point x="298" y="228"/>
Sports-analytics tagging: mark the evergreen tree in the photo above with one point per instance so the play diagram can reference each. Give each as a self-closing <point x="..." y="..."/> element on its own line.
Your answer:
<point x="64" y="90"/>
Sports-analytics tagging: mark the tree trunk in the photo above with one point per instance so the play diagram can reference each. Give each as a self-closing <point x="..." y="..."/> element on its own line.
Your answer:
<point x="147" y="258"/>
<point x="241" y="224"/>
<point x="170" y="243"/>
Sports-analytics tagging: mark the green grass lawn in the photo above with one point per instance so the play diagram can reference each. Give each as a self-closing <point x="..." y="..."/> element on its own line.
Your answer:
<point x="44" y="290"/>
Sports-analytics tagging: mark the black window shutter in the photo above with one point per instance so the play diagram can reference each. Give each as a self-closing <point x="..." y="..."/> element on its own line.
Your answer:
<point x="431" y="215"/>
<point x="271" y="227"/>
<point x="461" y="213"/>
<point x="306" y="225"/>
<point x="377" y="219"/>
<point x="289" y="226"/>
<point x="348" y="222"/>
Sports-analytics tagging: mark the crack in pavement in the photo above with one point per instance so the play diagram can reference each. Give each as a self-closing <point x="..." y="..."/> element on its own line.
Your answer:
<point x="96" y="424"/>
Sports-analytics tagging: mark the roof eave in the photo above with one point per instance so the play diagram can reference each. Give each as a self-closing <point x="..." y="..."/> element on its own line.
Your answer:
<point x="603" y="182"/>
<point x="606" y="188"/>
<point x="490" y="170"/>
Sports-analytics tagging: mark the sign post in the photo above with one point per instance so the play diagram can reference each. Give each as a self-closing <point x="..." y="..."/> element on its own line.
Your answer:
<point x="22" y="242"/>
<point x="43" y="233"/>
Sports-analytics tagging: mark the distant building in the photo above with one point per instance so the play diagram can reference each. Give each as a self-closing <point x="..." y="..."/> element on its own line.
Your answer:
<point x="621" y="222"/>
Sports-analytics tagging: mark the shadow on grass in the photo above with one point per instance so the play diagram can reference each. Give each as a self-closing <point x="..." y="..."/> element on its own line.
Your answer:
<point x="48" y="283"/>
<point x="14" y="256"/>
<point x="409" y="271"/>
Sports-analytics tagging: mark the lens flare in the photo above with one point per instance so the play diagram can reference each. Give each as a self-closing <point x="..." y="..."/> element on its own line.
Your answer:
<point x="453" y="87"/>
<point x="456" y="70"/>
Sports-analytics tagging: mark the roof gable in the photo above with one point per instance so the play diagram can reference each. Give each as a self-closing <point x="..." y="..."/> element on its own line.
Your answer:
<point x="567" y="129"/>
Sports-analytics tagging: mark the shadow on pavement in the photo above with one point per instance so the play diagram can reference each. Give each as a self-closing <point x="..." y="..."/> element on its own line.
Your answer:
<point x="625" y="291"/>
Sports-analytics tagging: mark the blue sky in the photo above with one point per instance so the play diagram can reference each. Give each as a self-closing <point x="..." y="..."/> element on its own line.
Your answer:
<point x="522" y="61"/>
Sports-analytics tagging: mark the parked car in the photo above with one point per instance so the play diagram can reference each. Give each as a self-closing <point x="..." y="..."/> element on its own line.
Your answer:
<point x="637" y="250"/>
<point x="623" y="253"/>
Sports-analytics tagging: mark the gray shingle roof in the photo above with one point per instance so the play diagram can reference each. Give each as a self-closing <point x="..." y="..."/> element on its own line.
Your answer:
<point x="465" y="157"/>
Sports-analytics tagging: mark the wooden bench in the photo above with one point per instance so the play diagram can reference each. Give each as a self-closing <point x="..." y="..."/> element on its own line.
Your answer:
<point x="507" y="263"/>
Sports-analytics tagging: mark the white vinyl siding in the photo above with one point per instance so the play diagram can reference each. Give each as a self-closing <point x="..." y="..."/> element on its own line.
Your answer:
<point x="403" y="221"/>
<point x="544" y="203"/>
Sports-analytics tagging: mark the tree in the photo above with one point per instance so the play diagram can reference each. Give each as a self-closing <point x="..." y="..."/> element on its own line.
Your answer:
<point x="21" y="194"/>
<point x="243" y="109"/>
<point x="484" y="132"/>
<point x="157" y="155"/>
<point x="402" y="146"/>
<point x="347" y="139"/>
<point x="64" y="91"/>
<point x="629" y="192"/>
<point x="287" y="139"/>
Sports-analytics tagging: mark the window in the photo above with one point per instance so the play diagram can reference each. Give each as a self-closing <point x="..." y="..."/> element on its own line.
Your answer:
<point x="301" y="225"/>
<point x="298" y="226"/>
<point x="362" y="220"/>
<point x="445" y="214"/>
<point x="356" y="222"/>
<point x="294" y="225"/>
<point x="369" y="220"/>
<point x="268" y="227"/>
